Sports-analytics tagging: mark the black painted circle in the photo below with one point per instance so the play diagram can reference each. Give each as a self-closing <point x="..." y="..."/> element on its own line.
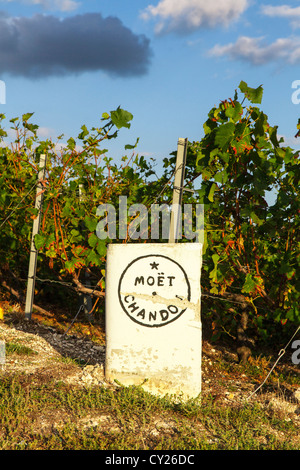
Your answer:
<point x="183" y="292"/>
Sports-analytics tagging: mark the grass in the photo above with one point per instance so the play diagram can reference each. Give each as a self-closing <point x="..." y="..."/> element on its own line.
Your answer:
<point x="54" y="416"/>
<point x="19" y="349"/>
<point x="46" y="414"/>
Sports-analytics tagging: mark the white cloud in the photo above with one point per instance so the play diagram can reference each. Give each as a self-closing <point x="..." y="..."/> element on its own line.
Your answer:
<point x="45" y="132"/>
<point x="290" y="141"/>
<point x="257" y="52"/>
<point x="283" y="11"/>
<point x="60" y="5"/>
<point x="185" y="16"/>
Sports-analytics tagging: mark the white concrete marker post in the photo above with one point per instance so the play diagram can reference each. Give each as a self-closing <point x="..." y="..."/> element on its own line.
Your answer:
<point x="153" y="324"/>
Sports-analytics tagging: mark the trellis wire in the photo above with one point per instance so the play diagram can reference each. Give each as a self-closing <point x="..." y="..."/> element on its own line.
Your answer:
<point x="280" y="354"/>
<point x="79" y="310"/>
<point x="19" y="203"/>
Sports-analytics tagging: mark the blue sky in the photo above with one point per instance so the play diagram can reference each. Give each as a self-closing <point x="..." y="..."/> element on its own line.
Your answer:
<point x="166" y="61"/>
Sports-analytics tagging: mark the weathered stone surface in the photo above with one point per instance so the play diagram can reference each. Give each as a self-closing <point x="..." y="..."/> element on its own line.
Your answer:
<point x="153" y="325"/>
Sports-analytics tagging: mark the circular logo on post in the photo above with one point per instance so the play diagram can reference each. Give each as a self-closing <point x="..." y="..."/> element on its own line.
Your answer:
<point x="153" y="290"/>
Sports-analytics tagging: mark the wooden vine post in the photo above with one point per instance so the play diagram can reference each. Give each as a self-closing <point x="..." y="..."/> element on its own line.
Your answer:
<point x="35" y="231"/>
<point x="178" y="190"/>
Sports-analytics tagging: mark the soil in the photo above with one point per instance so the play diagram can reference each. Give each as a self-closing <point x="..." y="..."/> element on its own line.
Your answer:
<point x="53" y="355"/>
